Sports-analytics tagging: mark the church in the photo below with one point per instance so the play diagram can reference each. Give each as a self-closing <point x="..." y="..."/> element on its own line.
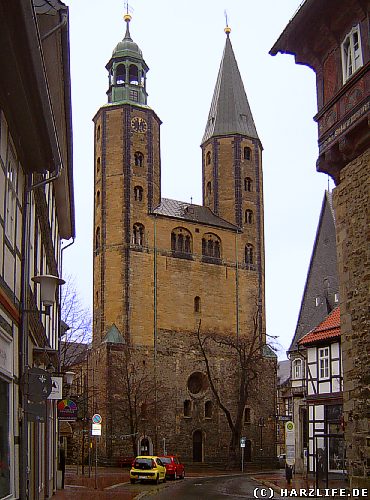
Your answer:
<point x="179" y="287"/>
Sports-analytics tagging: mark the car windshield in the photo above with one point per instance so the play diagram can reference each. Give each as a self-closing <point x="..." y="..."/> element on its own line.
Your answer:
<point x="144" y="463"/>
<point x="165" y="460"/>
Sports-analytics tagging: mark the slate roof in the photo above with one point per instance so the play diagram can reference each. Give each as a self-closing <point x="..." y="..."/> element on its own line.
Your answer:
<point x="230" y="112"/>
<point x="191" y="213"/>
<point x="283" y="371"/>
<point x="327" y="329"/>
<point x="322" y="276"/>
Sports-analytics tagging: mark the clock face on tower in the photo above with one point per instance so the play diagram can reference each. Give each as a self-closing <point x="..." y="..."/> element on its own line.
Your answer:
<point x="139" y="124"/>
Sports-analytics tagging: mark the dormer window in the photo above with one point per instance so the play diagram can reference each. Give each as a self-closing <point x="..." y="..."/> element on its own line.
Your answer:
<point x="351" y="53"/>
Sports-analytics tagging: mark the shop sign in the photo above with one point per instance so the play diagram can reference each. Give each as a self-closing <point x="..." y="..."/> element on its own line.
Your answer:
<point x="67" y="410"/>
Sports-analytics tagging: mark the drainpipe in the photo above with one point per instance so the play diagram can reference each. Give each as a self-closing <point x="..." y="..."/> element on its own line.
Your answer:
<point x="237" y="286"/>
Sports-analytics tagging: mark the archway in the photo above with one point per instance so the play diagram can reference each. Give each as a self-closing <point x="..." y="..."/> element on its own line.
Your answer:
<point x="198" y="446"/>
<point x="145" y="446"/>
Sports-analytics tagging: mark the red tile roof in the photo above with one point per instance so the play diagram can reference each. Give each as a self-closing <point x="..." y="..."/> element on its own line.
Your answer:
<point x="327" y="329"/>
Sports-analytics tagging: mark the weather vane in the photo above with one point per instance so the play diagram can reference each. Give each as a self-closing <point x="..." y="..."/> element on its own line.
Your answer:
<point x="128" y="7"/>
<point x="227" y="29"/>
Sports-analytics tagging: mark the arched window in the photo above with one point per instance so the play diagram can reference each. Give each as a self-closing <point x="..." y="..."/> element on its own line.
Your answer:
<point x="138" y="234"/>
<point x="211" y="246"/>
<point x="98" y="132"/>
<point x="197" y="304"/>
<point x="97" y="238"/>
<point x="208" y="158"/>
<point x="97" y="198"/>
<point x="247" y="153"/>
<point x="248" y="184"/>
<point x="139" y="159"/>
<point x="181" y="241"/>
<point x="98" y="165"/>
<point x="249" y="254"/>
<point x="297" y="369"/>
<point x="120" y="74"/>
<point x="133" y="74"/>
<point x="209" y="188"/>
<point x="138" y="193"/>
<point x="208" y="409"/>
<point x="248" y="216"/>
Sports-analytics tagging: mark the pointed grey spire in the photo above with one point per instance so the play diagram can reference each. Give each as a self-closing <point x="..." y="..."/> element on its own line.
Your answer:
<point x="230" y="112"/>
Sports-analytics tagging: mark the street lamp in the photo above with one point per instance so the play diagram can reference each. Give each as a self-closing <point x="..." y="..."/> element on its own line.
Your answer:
<point x="48" y="285"/>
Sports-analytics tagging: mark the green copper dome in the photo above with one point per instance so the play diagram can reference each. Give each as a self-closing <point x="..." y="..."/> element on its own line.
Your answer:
<point x="127" y="47"/>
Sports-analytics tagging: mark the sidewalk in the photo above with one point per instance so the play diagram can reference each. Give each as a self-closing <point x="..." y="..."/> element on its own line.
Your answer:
<point x="277" y="481"/>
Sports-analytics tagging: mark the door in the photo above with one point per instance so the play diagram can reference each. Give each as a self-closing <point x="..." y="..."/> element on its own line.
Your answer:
<point x="248" y="451"/>
<point x="198" y="446"/>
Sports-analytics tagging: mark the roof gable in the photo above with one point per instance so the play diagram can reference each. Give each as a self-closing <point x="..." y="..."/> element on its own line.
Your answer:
<point x="326" y="330"/>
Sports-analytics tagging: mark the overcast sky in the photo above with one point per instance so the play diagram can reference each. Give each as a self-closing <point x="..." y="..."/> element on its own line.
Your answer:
<point x="182" y="43"/>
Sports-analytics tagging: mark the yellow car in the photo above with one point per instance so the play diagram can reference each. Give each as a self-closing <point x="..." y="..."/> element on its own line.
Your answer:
<point x="147" y="468"/>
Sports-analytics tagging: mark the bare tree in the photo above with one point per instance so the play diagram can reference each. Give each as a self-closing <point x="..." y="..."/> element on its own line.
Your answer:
<point x="135" y="399"/>
<point x="76" y="324"/>
<point x="247" y="356"/>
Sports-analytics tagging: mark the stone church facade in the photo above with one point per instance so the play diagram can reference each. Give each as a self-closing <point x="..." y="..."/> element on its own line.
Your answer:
<point x="168" y="273"/>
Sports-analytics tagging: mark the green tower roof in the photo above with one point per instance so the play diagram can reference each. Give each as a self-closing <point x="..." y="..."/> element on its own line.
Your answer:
<point x="230" y="113"/>
<point x="127" y="47"/>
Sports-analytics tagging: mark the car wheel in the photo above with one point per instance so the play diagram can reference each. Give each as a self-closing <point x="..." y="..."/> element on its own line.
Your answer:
<point x="182" y="475"/>
<point x="157" y="479"/>
<point x="132" y="481"/>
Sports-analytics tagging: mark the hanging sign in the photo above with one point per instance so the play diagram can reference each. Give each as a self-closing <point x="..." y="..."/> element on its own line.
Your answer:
<point x="56" y="388"/>
<point x="67" y="410"/>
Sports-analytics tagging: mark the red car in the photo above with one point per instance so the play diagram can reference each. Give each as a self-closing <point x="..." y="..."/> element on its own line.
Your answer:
<point x="174" y="468"/>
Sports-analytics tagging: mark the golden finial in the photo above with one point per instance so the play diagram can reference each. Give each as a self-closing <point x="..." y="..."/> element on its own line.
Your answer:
<point x="127" y="16"/>
<point x="227" y="30"/>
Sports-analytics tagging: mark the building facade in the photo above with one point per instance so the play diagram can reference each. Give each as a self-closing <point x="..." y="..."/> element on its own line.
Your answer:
<point x="168" y="273"/>
<point x="324" y="397"/>
<point x="36" y="214"/>
<point x="335" y="44"/>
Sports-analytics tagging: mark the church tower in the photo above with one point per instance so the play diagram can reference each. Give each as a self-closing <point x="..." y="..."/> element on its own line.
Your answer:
<point x="127" y="181"/>
<point x="232" y="164"/>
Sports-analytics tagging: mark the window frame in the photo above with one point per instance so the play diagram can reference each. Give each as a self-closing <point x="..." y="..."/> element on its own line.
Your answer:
<point x="323" y="361"/>
<point x="350" y="54"/>
<point x="297" y="369"/>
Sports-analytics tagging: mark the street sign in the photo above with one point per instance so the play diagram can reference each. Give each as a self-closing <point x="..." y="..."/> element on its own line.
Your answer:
<point x="96" y="430"/>
<point x="290" y="442"/>
<point x="242" y="442"/>
<point x="96" y="419"/>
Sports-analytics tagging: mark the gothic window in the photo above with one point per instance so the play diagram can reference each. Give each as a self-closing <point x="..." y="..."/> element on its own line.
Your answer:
<point x="248" y="216"/>
<point x="134" y="74"/>
<point x="211" y="246"/>
<point x="351" y="53"/>
<point x="247" y="153"/>
<point x="120" y="74"/>
<point x="139" y="159"/>
<point x="249" y="254"/>
<point x="98" y="133"/>
<point x="138" y="193"/>
<point x="197" y="304"/>
<point x="181" y="241"/>
<point x="248" y="184"/>
<point x="208" y="409"/>
<point x="97" y="238"/>
<point x="208" y="158"/>
<point x="138" y="234"/>
<point x="187" y="408"/>
<point x="209" y="188"/>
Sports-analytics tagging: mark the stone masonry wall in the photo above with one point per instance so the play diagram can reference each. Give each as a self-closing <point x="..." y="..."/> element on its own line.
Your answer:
<point x="351" y="202"/>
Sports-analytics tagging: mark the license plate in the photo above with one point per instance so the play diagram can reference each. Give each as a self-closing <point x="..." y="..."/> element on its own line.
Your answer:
<point x="142" y="477"/>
